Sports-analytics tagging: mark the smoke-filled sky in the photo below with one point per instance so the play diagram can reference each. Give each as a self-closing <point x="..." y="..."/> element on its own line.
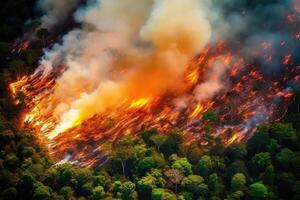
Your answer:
<point x="131" y="49"/>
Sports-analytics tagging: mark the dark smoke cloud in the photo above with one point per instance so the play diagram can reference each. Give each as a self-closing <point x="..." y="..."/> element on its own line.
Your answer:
<point x="56" y="11"/>
<point x="250" y="23"/>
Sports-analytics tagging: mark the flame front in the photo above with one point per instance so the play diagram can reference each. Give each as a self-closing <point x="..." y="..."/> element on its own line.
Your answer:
<point x="240" y="90"/>
<point x="240" y="109"/>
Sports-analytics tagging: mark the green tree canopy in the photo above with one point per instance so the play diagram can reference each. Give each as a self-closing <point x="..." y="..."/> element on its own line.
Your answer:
<point x="238" y="182"/>
<point x="183" y="165"/>
<point x="195" y="184"/>
<point x="285" y="157"/>
<point x="258" y="191"/>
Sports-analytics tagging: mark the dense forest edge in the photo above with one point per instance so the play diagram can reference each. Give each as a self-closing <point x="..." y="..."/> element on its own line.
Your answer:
<point x="152" y="165"/>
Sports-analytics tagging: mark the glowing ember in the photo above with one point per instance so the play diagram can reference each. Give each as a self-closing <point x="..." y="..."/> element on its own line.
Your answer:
<point x="139" y="103"/>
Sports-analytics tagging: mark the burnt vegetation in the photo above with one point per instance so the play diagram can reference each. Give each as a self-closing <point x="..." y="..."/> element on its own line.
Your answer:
<point x="153" y="165"/>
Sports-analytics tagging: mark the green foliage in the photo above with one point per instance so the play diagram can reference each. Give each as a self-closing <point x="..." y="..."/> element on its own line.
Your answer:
<point x="284" y="133"/>
<point x="157" y="166"/>
<point x="158" y="140"/>
<point x="258" y="191"/>
<point x="11" y="161"/>
<point x="146" y="135"/>
<point x="285" y="157"/>
<point x="9" y="194"/>
<point x="214" y="184"/>
<point x="101" y="180"/>
<point x="210" y="116"/>
<point x="146" y="164"/>
<point x="269" y="175"/>
<point x="157" y="194"/>
<point x="259" y="141"/>
<point x="183" y="165"/>
<point x="204" y="166"/>
<point x="195" y="184"/>
<point x="98" y="192"/>
<point x="236" y="151"/>
<point x="67" y="192"/>
<point x="41" y="192"/>
<point x="186" y="196"/>
<point x="146" y="184"/>
<point x="172" y="143"/>
<point x="260" y="161"/>
<point x="124" y="189"/>
<point x="238" y="182"/>
<point x="123" y="151"/>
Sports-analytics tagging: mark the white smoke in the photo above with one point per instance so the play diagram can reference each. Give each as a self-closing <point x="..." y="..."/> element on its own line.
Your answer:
<point x="213" y="83"/>
<point x="126" y="50"/>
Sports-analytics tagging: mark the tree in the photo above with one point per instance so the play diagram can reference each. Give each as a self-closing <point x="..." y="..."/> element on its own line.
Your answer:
<point x="162" y="194"/>
<point x="126" y="189"/>
<point x="285" y="183"/>
<point x="183" y="165"/>
<point x="146" y="164"/>
<point x="28" y="151"/>
<point x="41" y="192"/>
<point x="237" y="195"/>
<point x="158" y="140"/>
<point x="273" y="146"/>
<point x="260" y="161"/>
<point x="236" y="151"/>
<point x="269" y="175"/>
<point x="258" y="190"/>
<point x="204" y="165"/>
<point x="86" y="189"/>
<point x="67" y="192"/>
<point x="101" y="180"/>
<point x="210" y="115"/>
<point x="98" y="193"/>
<point x="186" y="196"/>
<point x="65" y="174"/>
<point x="172" y="143"/>
<point x="175" y="177"/>
<point x="83" y="176"/>
<point x="124" y="150"/>
<point x="284" y="133"/>
<point x="11" y="161"/>
<point x="259" y="141"/>
<point x="9" y="194"/>
<point x="214" y="184"/>
<point x="195" y="184"/>
<point x="145" y="185"/>
<point x="157" y="194"/>
<point x="238" y="182"/>
<point x="285" y="157"/>
<point x="146" y="136"/>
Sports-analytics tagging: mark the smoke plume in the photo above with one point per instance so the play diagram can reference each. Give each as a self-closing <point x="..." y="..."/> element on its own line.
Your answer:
<point x="124" y="51"/>
<point x="55" y="11"/>
<point x="212" y="84"/>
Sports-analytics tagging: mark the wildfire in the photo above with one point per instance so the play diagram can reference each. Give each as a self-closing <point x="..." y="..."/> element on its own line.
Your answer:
<point x="240" y="110"/>
<point x="239" y="89"/>
<point x="199" y="108"/>
<point x="140" y="103"/>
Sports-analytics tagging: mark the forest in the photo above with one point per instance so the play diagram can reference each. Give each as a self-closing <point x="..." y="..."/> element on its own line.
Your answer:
<point x="152" y="165"/>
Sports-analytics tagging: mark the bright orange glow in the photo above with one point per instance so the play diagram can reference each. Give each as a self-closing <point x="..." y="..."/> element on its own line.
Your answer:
<point x="238" y="106"/>
<point x="140" y="103"/>
<point x="193" y="77"/>
<point x="199" y="108"/>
